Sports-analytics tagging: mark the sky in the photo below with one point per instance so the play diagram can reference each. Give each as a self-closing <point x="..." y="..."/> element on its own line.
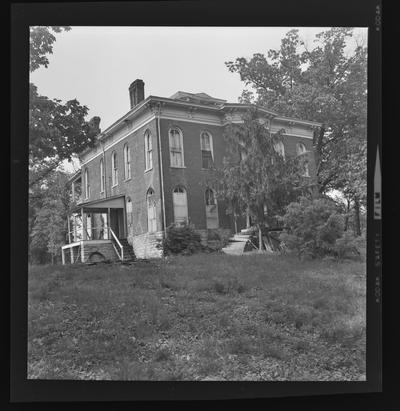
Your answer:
<point x="96" y="65"/>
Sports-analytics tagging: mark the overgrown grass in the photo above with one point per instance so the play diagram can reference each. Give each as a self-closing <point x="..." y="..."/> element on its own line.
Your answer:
<point x="213" y="316"/>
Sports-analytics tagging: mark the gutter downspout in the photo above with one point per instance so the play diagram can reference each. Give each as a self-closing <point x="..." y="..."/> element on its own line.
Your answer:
<point x="161" y="169"/>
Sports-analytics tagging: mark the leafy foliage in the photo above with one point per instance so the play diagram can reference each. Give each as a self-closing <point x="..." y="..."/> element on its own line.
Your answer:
<point x="181" y="240"/>
<point x="323" y="84"/>
<point x="314" y="228"/>
<point x="48" y="209"/>
<point x="254" y="175"/>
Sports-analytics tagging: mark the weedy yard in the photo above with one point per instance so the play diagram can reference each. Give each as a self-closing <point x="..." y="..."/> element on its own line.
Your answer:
<point x="200" y="317"/>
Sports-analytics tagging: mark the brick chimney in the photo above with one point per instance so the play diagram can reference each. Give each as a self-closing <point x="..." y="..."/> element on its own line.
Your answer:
<point x="136" y="92"/>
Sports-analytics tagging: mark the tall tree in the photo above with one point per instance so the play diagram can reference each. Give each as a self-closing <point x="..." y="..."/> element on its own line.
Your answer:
<point x="57" y="131"/>
<point x="321" y="84"/>
<point x="255" y="177"/>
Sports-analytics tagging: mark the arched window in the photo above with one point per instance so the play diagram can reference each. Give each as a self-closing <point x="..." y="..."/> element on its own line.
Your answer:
<point x="306" y="169"/>
<point x="127" y="162"/>
<point x="176" y="147"/>
<point x="151" y="211"/>
<point x="87" y="185"/>
<point x="179" y="199"/>
<point x="300" y="148"/>
<point x="148" y="150"/>
<point x="114" y="169"/>
<point x="280" y="148"/>
<point x="206" y="145"/>
<point x="211" y="209"/>
<point x="102" y="176"/>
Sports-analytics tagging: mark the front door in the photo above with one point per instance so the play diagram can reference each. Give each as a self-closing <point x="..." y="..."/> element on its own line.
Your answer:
<point x="211" y="210"/>
<point x="117" y="222"/>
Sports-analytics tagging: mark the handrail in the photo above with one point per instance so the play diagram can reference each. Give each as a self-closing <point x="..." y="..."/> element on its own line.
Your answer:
<point x="121" y="256"/>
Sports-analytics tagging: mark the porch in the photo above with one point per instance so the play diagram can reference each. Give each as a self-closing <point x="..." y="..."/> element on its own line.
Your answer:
<point x="97" y="231"/>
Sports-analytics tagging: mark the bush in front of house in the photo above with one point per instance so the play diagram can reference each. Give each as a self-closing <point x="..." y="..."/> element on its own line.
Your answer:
<point x="315" y="229"/>
<point x="181" y="240"/>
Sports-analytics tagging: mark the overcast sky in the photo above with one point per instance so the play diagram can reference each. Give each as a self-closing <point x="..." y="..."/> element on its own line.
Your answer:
<point x="96" y="65"/>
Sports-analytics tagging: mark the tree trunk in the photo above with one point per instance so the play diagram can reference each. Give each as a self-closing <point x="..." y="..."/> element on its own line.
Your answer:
<point x="260" y="247"/>
<point x="346" y="220"/>
<point x="357" y="224"/>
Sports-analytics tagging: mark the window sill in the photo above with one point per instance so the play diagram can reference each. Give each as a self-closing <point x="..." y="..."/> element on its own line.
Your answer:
<point x="127" y="179"/>
<point x="178" y="166"/>
<point x="148" y="169"/>
<point x="207" y="169"/>
<point x="115" y="185"/>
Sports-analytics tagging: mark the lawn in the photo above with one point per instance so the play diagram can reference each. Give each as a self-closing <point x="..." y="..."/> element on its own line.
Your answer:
<point x="200" y="317"/>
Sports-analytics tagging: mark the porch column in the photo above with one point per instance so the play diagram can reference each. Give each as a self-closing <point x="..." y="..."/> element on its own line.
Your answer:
<point x="84" y="225"/>
<point x="63" y="256"/>
<point x="75" y="236"/>
<point x="69" y="229"/>
<point x="73" y="191"/>
<point x="71" y="249"/>
<point x="108" y="222"/>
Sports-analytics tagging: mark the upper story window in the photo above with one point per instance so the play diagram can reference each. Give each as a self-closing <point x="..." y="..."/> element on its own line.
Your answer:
<point x="151" y="211"/>
<point x="87" y="185"/>
<point x="306" y="169"/>
<point x="127" y="162"/>
<point x="206" y="145"/>
<point x="148" y="150"/>
<point x="102" y="176"/>
<point x="300" y="148"/>
<point x="176" y="147"/>
<point x="280" y="148"/>
<point x="114" y="169"/>
<point x="179" y="199"/>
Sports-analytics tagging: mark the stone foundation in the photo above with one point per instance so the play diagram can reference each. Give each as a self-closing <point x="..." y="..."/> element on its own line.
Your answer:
<point x="145" y="245"/>
<point x="93" y="251"/>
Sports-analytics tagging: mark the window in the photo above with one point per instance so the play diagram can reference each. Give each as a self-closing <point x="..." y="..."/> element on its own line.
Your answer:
<point x="148" y="150"/>
<point x="210" y="198"/>
<point x="87" y="185"/>
<point x="306" y="169"/>
<point x="206" y="150"/>
<point x="102" y="176"/>
<point x="180" y="205"/>
<point x="127" y="162"/>
<point x="280" y="148"/>
<point x="176" y="147"/>
<point x="114" y="171"/>
<point x="151" y="211"/>
<point x="300" y="148"/>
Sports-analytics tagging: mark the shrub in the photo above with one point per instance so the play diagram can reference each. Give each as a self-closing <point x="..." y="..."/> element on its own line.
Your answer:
<point x="314" y="228"/>
<point x="181" y="240"/>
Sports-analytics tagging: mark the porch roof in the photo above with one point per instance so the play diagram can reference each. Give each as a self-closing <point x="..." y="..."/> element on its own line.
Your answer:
<point x="102" y="204"/>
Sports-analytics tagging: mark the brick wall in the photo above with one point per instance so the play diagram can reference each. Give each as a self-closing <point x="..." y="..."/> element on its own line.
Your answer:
<point x="136" y="187"/>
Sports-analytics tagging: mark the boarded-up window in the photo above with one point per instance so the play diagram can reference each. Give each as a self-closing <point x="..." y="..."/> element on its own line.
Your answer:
<point x="180" y="205"/>
<point x="206" y="150"/>
<point x="148" y="150"/>
<point x="87" y="185"/>
<point x="127" y="162"/>
<point x="280" y="148"/>
<point x="102" y="176"/>
<point x="114" y="167"/>
<point x="300" y="148"/>
<point x="176" y="147"/>
<point x="151" y="211"/>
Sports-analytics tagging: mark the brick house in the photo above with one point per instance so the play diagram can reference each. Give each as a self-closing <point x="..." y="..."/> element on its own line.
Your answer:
<point x="149" y="169"/>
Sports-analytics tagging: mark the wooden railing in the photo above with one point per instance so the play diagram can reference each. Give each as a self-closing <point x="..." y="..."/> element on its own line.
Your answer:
<point x="116" y="241"/>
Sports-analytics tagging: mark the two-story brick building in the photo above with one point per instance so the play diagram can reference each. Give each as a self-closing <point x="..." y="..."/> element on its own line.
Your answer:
<point x="149" y="169"/>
